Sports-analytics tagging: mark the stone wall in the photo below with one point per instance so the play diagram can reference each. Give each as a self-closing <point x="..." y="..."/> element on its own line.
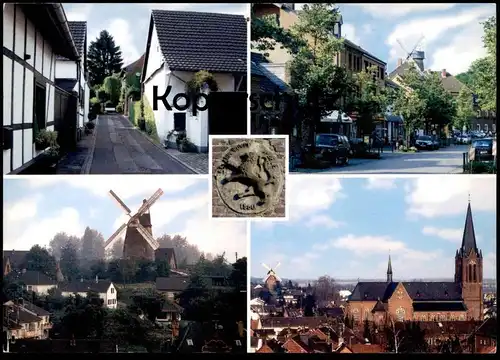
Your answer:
<point x="219" y="148"/>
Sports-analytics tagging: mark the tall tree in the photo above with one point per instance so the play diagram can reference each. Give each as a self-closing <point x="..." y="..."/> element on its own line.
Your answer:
<point x="39" y="259"/>
<point x="369" y="99"/>
<point x="320" y="83"/>
<point x="70" y="263"/>
<point x="112" y="86"/>
<point x="484" y="71"/>
<point x="465" y="109"/>
<point x="104" y="58"/>
<point x="325" y="289"/>
<point x="92" y="245"/>
<point x="60" y="240"/>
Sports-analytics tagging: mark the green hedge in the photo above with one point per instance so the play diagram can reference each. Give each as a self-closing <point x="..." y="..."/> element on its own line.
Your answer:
<point x="135" y="113"/>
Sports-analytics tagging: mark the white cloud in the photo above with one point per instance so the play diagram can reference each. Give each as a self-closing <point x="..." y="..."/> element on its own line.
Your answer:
<point x="323" y="221"/>
<point x="349" y="32"/>
<point x="462" y="56"/>
<point x="380" y="183"/>
<point x="43" y="230"/>
<point x="79" y="12"/>
<point x="438" y="28"/>
<point x="368" y="245"/>
<point x="431" y="196"/>
<point x="311" y="194"/>
<point x="23" y="209"/>
<point x="128" y="186"/>
<point x="454" y="235"/>
<point x="367" y="28"/>
<point x="123" y="35"/>
<point x="387" y="11"/>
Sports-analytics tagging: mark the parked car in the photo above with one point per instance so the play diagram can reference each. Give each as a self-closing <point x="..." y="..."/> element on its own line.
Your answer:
<point x="483" y="148"/>
<point x="464" y="139"/>
<point x="426" y="142"/>
<point x="333" y="147"/>
<point x="109" y="110"/>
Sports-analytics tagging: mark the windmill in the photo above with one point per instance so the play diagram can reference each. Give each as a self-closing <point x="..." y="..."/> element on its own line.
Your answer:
<point x="139" y="242"/>
<point x="417" y="54"/>
<point x="271" y="277"/>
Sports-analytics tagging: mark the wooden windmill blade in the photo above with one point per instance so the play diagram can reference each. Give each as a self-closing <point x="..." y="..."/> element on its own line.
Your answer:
<point x="267" y="267"/>
<point x="147" y="236"/>
<point x="145" y="206"/>
<point x="120" y="202"/>
<point x="115" y="235"/>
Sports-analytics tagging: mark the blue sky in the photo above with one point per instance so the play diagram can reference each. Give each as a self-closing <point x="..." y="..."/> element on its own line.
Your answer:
<point x="452" y="33"/>
<point x="347" y="227"/>
<point x="35" y="209"/>
<point x="129" y="23"/>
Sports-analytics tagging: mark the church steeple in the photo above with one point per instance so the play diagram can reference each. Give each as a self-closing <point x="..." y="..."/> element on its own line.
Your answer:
<point x="469" y="236"/>
<point x="389" y="270"/>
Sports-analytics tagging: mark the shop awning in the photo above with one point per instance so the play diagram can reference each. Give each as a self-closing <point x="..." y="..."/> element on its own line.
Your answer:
<point x="334" y="117"/>
<point x="393" y="118"/>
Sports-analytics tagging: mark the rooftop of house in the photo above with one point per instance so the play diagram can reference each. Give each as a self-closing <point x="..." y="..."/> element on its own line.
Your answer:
<point x="418" y="291"/>
<point x="165" y="254"/>
<point x="488" y="328"/>
<point x="193" y="41"/>
<point x="268" y="81"/>
<point x="19" y="315"/>
<point x="360" y="49"/>
<point x="31" y="278"/>
<point x="283" y="322"/>
<point x="136" y="66"/>
<point x="99" y="286"/>
<point x="17" y="258"/>
<point x="173" y="283"/>
<point x="78" y="31"/>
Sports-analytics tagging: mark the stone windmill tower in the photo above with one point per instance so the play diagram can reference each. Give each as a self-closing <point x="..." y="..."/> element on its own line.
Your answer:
<point x="271" y="277"/>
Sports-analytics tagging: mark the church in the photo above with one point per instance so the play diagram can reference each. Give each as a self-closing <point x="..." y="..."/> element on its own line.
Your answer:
<point x="459" y="300"/>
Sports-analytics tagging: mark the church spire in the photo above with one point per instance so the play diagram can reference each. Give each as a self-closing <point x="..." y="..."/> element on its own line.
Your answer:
<point x="469" y="236"/>
<point x="389" y="270"/>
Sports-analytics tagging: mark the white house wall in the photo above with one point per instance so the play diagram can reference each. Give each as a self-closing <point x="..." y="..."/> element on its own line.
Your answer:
<point x="196" y="126"/>
<point x="19" y="38"/>
<point x="66" y="69"/>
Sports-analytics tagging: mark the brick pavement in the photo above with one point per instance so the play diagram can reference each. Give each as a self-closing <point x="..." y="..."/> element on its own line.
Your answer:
<point x="120" y="148"/>
<point x="196" y="161"/>
<point x="219" y="209"/>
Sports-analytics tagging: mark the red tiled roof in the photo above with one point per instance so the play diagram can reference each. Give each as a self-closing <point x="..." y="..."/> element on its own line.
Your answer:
<point x="366" y="349"/>
<point x="292" y="346"/>
<point x="265" y="349"/>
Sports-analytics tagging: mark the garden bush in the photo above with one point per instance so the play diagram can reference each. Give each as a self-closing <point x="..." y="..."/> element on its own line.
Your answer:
<point x="119" y="108"/>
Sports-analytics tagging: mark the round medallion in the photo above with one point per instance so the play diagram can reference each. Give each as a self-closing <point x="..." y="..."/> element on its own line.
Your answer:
<point x="250" y="178"/>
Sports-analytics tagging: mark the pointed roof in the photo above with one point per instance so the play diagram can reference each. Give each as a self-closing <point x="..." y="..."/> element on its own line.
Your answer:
<point x="469" y="236"/>
<point x="389" y="266"/>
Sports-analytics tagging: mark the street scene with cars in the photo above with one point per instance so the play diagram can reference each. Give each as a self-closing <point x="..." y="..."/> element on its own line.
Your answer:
<point x="361" y="112"/>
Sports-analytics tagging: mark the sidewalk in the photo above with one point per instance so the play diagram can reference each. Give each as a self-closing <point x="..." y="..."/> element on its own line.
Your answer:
<point x="196" y="161"/>
<point x="73" y="162"/>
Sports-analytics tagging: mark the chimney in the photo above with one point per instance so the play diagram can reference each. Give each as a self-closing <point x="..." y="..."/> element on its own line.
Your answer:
<point x="443" y="73"/>
<point x="400" y="61"/>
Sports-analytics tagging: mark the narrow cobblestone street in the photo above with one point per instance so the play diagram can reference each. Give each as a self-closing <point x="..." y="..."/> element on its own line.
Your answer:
<point x="117" y="147"/>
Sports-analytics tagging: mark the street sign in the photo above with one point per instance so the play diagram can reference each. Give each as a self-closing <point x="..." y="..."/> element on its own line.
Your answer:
<point x="472" y="154"/>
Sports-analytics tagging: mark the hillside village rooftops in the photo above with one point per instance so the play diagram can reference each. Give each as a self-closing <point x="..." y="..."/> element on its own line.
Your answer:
<point x="101" y="286"/>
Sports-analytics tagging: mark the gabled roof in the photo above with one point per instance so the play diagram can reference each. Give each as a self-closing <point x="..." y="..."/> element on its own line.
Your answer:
<point x="488" y="328"/>
<point x="17" y="258"/>
<point x="66" y="84"/>
<point x="136" y="66"/>
<point x="433" y="291"/>
<point x="35" y="309"/>
<point x="175" y="283"/>
<point x="167" y="254"/>
<point x="295" y="345"/>
<point x="264" y="349"/>
<point x="78" y="31"/>
<point x="101" y="286"/>
<point x="35" y="278"/>
<point x="379" y="307"/>
<point x="268" y="81"/>
<point x="193" y="41"/>
<point x="372" y="291"/>
<point x="360" y="49"/>
<point x="22" y="316"/>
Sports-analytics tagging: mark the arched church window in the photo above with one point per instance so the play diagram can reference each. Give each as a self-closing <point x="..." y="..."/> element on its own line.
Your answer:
<point x="474" y="273"/>
<point x="462" y="317"/>
<point x="424" y="317"/>
<point x="442" y="317"/>
<point x="469" y="273"/>
<point x="400" y="314"/>
<point x="452" y="317"/>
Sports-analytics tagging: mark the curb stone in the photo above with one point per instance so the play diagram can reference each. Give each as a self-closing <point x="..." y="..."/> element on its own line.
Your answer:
<point x="87" y="165"/>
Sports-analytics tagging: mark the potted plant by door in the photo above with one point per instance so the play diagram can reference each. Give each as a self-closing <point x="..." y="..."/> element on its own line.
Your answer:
<point x="170" y="135"/>
<point x="183" y="142"/>
<point x="45" y="139"/>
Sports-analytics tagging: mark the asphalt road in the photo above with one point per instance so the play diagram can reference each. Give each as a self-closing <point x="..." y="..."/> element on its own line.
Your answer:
<point x="443" y="161"/>
<point x="122" y="149"/>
